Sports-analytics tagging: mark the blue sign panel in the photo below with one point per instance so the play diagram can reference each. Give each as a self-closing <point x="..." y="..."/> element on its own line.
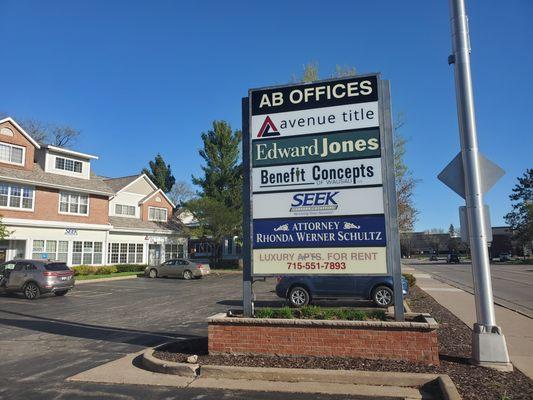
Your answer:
<point x="348" y="231"/>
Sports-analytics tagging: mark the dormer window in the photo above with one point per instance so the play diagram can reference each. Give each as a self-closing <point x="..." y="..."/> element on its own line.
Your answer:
<point x="68" y="164"/>
<point x="11" y="154"/>
<point x="157" y="214"/>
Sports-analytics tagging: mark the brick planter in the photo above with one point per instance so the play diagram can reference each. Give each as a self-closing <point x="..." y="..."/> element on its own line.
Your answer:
<point x="408" y="341"/>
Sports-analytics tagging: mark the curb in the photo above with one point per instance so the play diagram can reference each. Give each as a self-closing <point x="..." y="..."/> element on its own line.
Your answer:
<point x="168" y="367"/>
<point x="114" y="278"/>
<point x="295" y="375"/>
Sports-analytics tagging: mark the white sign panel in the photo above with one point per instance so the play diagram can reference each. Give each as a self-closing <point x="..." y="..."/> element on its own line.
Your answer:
<point x="346" y="173"/>
<point x="355" y="201"/>
<point x="320" y="261"/>
<point x="318" y="120"/>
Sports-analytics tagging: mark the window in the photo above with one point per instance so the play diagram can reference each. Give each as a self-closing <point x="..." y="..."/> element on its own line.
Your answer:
<point x="15" y="196"/>
<point x="131" y="253"/>
<point x="67" y="164"/>
<point x="203" y="248"/>
<point x="157" y="214"/>
<point x="123" y="209"/>
<point x="11" y="154"/>
<point x="86" y="253"/>
<point x="73" y="203"/>
<point x="50" y="249"/>
<point x="174" y="251"/>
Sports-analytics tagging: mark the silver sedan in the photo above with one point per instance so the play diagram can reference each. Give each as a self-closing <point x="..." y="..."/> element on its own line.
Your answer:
<point x="179" y="268"/>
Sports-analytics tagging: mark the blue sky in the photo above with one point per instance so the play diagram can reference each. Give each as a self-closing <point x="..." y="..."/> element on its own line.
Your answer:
<point x="142" y="77"/>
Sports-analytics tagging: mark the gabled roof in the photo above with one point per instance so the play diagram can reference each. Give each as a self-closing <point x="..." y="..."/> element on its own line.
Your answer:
<point x="152" y="195"/>
<point x="136" y="225"/>
<point x="70" y="152"/>
<point x="24" y="133"/>
<point x="121" y="183"/>
<point x="38" y="177"/>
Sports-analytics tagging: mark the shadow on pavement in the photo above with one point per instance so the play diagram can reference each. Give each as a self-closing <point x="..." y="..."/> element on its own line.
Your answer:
<point x="88" y="331"/>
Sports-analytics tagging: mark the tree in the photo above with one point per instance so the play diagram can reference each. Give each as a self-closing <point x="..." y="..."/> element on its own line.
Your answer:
<point x="520" y="219"/>
<point x="215" y="221"/>
<point x="452" y="231"/>
<point x="180" y="193"/>
<point x="160" y="173"/>
<point x="4" y="233"/>
<point x="222" y="178"/>
<point x="218" y="209"/>
<point x="405" y="182"/>
<point x="48" y="133"/>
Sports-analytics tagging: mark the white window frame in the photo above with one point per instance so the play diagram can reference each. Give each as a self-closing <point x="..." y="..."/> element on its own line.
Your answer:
<point x="127" y="206"/>
<point x="22" y="187"/>
<point x="43" y="249"/>
<point x="159" y="209"/>
<point x="70" y="194"/>
<point x="123" y="253"/>
<point x="11" y="153"/>
<point x="88" y="251"/>
<point x="74" y="161"/>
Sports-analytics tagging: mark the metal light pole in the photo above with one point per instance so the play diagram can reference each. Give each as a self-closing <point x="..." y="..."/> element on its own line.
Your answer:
<point x="489" y="347"/>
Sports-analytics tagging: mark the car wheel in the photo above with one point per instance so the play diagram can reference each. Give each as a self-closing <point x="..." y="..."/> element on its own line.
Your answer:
<point x="383" y="296"/>
<point x="187" y="275"/>
<point x="61" y="292"/>
<point x="298" y="296"/>
<point x="153" y="273"/>
<point x="32" y="291"/>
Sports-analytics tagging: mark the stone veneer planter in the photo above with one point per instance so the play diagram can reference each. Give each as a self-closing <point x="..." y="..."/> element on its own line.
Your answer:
<point x="407" y="341"/>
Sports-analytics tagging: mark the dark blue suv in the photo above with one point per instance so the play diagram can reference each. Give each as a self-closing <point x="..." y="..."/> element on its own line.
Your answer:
<point x="300" y="290"/>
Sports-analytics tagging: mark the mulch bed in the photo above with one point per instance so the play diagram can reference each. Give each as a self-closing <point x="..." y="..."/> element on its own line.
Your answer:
<point x="454" y="348"/>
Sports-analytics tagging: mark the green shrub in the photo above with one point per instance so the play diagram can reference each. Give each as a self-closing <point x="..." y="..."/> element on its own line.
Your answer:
<point x="106" y="270"/>
<point x="130" y="267"/>
<point x="283" y="313"/>
<point x="309" y="311"/>
<point x="411" y="280"/>
<point x="266" y="312"/>
<point x="83" y="270"/>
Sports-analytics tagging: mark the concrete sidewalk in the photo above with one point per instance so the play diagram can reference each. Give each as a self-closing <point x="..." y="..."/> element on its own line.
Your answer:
<point x="517" y="328"/>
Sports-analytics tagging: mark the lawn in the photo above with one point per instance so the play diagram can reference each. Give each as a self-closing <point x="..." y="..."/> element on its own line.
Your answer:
<point x="85" y="277"/>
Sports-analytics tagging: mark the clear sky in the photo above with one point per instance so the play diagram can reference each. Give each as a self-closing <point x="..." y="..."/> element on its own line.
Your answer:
<point x="142" y="77"/>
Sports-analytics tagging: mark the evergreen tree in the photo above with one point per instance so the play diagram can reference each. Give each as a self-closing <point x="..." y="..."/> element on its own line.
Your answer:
<point x="222" y="180"/>
<point x="520" y="219"/>
<point x="160" y="173"/>
<point x="218" y="208"/>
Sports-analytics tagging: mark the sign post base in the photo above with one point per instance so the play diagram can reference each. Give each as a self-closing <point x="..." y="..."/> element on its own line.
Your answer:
<point x="489" y="348"/>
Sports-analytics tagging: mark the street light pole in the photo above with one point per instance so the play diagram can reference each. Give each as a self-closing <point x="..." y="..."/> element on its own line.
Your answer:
<point x="489" y="347"/>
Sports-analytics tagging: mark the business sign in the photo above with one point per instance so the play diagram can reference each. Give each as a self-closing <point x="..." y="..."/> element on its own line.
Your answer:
<point x="316" y="179"/>
<point x="320" y="261"/>
<point x="315" y="148"/>
<point x="362" y="201"/>
<point x="347" y="173"/>
<point x="319" y="232"/>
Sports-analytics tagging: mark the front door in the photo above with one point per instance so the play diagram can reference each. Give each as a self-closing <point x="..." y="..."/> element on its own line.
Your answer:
<point x="154" y="254"/>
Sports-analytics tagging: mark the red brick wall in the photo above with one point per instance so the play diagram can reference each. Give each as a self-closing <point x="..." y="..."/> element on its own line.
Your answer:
<point x="151" y="202"/>
<point x="419" y="346"/>
<point x="19" y="140"/>
<point x="46" y="207"/>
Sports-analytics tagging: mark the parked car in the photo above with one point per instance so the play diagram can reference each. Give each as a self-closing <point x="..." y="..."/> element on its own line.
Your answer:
<point x="301" y="290"/>
<point x="433" y="257"/>
<point x="180" y="268"/>
<point x="35" y="277"/>
<point x="453" y="259"/>
<point x="505" y="257"/>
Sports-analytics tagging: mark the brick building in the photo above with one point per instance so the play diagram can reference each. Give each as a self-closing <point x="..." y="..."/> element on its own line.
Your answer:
<point x="55" y="207"/>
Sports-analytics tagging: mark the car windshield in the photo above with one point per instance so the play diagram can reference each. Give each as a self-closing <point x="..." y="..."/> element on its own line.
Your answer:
<point x="56" y="267"/>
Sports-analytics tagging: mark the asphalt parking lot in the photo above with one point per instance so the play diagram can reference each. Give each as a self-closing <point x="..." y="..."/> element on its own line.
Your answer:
<point x="43" y="342"/>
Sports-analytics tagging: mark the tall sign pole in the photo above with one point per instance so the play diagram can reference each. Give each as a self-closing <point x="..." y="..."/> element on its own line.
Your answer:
<point x="489" y="346"/>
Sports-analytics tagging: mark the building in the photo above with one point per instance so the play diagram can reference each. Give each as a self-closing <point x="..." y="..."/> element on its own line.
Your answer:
<point x="55" y="207"/>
